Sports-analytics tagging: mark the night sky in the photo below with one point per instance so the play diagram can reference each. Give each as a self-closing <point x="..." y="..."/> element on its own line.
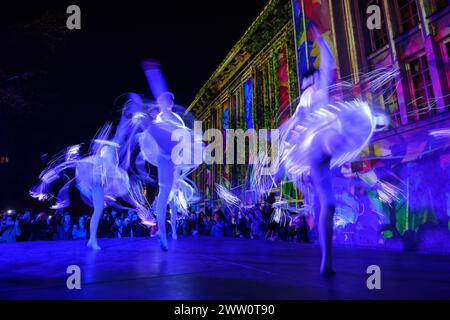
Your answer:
<point x="58" y="87"/>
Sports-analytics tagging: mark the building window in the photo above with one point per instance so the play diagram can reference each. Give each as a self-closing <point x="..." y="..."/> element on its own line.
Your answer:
<point x="423" y="96"/>
<point x="408" y="13"/>
<point x="387" y="97"/>
<point x="436" y="5"/>
<point x="446" y="56"/>
<point x="447" y="46"/>
<point x="378" y="37"/>
<point x="390" y="98"/>
<point x="4" y="160"/>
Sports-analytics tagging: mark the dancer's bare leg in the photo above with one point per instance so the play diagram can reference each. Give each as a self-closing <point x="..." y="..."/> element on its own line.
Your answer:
<point x="98" y="202"/>
<point x="165" y="181"/>
<point x="321" y="175"/>
<point x="173" y="219"/>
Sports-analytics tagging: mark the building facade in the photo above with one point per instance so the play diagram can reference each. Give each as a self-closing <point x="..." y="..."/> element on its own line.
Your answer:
<point x="256" y="80"/>
<point x="257" y="86"/>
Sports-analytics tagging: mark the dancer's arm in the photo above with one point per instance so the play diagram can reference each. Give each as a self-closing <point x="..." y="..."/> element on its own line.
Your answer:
<point x="132" y="107"/>
<point x="155" y="78"/>
<point x="326" y="61"/>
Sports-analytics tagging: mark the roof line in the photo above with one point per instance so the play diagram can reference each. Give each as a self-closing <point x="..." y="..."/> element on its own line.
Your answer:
<point x="232" y="53"/>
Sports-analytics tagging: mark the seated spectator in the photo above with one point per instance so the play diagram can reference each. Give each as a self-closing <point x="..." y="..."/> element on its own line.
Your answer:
<point x="9" y="230"/>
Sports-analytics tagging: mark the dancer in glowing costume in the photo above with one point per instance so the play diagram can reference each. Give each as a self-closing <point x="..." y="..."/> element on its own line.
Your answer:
<point x="101" y="176"/>
<point x="158" y="148"/>
<point x="322" y="134"/>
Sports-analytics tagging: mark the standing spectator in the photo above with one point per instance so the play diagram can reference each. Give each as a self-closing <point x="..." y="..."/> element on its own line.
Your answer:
<point x="228" y="225"/>
<point x="54" y="221"/>
<point x="114" y="215"/>
<point x="25" y="227"/>
<point x="304" y="230"/>
<point x="208" y="224"/>
<point x="153" y="231"/>
<point x="104" y="227"/>
<point x="41" y="229"/>
<point x="186" y="226"/>
<point x="194" y="224"/>
<point x="234" y="224"/>
<point x="79" y="231"/>
<point x="9" y="230"/>
<point x="254" y="228"/>
<point x="283" y="228"/>
<point x="218" y="225"/>
<point x="137" y="229"/>
<point x="64" y="229"/>
<point x="201" y="223"/>
<point x="179" y="226"/>
<point x="126" y="228"/>
<point x="117" y="227"/>
<point x="87" y="223"/>
<point x="272" y="233"/>
<point x="244" y="230"/>
<point x="294" y="229"/>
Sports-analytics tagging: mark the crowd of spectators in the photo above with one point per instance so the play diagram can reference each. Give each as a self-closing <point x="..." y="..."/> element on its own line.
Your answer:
<point x="251" y="223"/>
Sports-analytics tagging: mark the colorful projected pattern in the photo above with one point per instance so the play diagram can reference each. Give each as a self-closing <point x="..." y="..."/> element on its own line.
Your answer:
<point x="307" y="13"/>
<point x="283" y="94"/>
<point x="225" y="126"/>
<point x="248" y="97"/>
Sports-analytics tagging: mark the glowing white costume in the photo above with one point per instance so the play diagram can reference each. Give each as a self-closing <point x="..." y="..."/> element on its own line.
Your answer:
<point x="157" y="147"/>
<point x="323" y="133"/>
<point x="101" y="175"/>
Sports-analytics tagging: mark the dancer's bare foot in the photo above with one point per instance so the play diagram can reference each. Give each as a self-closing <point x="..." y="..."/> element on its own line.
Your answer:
<point x="163" y="242"/>
<point x="174" y="236"/>
<point x="93" y="244"/>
